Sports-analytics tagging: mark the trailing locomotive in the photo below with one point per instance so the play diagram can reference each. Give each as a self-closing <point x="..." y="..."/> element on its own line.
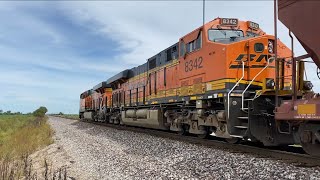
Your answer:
<point x="217" y="80"/>
<point x="95" y="103"/>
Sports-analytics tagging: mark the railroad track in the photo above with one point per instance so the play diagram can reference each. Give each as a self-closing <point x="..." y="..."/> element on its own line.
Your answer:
<point x="292" y="155"/>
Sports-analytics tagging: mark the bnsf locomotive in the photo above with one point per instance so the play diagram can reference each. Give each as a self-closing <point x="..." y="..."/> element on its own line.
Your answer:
<point x="217" y="80"/>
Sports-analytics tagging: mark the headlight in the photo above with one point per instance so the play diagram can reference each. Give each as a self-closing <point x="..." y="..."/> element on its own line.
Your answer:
<point x="258" y="47"/>
<point x="270" y="84"/>
<point x="270" y="46"/>
<point x="307" y="85"/>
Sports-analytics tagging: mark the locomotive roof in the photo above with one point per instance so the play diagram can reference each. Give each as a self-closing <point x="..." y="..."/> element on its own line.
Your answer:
<point x="101" y="85"/>
<point x="171" y="53"/>
<point x="86" y="93"/>
<point x="122" y="75"/>
<point x="161" y="58"/>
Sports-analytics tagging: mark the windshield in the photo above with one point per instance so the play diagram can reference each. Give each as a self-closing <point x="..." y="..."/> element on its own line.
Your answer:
<point x="252" y="34"/>
<point x="215" y="34"/>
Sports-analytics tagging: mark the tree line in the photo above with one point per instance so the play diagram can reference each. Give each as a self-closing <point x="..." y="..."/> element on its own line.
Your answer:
<point x="40" y="112"/>
<point x="10" y="113"/>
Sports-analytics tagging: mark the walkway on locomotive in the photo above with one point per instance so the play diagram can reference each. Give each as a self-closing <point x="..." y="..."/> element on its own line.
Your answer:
<point x="205" y="63"/>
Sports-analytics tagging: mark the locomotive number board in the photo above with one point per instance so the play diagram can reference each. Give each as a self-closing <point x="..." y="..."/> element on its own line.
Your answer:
<point x="253" y="25"/>
<point x="228" y="21"/>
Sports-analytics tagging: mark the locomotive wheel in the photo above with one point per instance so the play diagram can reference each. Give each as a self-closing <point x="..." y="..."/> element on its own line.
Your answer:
<point x="106" y="119"/>
<point x="203" y="136"/>
<point x="308" y="139"/>
<point x="232" y="140"/>
<point x="312" y="149"/>
<point x="116" y="121"/>
<point x="111" y="121"/>
<point x="184" y="131"/>
<point x="206" y="135"/>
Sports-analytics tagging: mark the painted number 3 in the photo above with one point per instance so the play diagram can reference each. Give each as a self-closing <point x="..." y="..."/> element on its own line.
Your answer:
<point x="193" y="64"/>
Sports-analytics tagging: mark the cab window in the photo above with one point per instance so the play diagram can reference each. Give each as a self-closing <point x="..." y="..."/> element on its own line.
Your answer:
<point x="252" y="34"/>
<point x="195" y="44"/>
<point x="218" y="34"/>
<point x="182" y="48"/>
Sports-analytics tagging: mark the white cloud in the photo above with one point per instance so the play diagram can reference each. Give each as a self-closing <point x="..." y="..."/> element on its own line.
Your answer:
<point x="27" y="22"/>
<point x="140" y="29"/>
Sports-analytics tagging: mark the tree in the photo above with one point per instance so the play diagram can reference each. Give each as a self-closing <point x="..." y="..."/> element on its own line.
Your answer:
<point x="40" y="112"/>
<point x="1" y="111"/>
<point x="60" y="113"/>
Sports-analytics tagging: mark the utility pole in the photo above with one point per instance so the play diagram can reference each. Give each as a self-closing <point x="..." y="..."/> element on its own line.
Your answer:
<point x="275" y="21"/>
<point x="203" y="11"/>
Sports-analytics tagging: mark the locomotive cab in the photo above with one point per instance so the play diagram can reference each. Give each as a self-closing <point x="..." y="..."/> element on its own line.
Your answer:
<point x="86" y="105"/>
<point x="228" y="67"/>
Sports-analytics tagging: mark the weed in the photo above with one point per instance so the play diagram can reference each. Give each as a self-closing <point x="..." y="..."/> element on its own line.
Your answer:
<point x="21" y="135"/>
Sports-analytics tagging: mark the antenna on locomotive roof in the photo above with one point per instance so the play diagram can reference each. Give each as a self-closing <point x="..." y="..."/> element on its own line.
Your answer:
<point x="203" y="12"/>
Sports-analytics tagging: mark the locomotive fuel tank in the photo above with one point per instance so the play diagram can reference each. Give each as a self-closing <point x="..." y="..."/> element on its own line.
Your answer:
<point x="144" y="118"/>
<point x="142" y="113"/>
<point x="130" y="113"/>
<point x="88" y="115"/>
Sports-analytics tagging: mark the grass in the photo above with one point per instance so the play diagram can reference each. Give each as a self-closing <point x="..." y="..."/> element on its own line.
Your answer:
<point x="9" y="124"/>
<point x="21" y="135"/>
<point x="70" y="116"/>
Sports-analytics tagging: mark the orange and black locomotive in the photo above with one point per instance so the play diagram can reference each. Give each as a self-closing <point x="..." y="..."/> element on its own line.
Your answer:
<point x="217" y="80"/>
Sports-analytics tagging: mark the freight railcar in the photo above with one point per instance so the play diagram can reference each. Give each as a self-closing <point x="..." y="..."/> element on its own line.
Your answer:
<point x="218" y="80"/>
<point x="302" y="114"/>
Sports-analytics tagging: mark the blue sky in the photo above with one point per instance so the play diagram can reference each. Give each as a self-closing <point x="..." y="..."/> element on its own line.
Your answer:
<point x="53" y="51"/>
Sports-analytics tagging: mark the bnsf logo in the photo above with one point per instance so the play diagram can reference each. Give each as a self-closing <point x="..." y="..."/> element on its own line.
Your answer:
<point x="252" y="57"/>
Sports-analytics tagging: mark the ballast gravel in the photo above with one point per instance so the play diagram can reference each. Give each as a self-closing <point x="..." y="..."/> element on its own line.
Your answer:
<point x="98" y="152"/>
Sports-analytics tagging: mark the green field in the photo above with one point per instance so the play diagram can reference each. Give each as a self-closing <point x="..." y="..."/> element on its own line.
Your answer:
<point x="70" y="116"/>
<point x="23" y="134"/>
<point x="20" y="136"/>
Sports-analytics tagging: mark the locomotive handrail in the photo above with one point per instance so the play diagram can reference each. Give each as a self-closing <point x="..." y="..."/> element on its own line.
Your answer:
<point x="235" y="87"/>
<point x="244" y="91"/>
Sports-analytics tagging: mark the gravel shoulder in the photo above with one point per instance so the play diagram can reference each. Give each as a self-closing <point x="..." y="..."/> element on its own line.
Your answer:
<point x="91" y="151"/>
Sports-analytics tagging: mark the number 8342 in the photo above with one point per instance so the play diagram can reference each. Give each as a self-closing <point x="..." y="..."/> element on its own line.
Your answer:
<point x="190" y="65"/>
